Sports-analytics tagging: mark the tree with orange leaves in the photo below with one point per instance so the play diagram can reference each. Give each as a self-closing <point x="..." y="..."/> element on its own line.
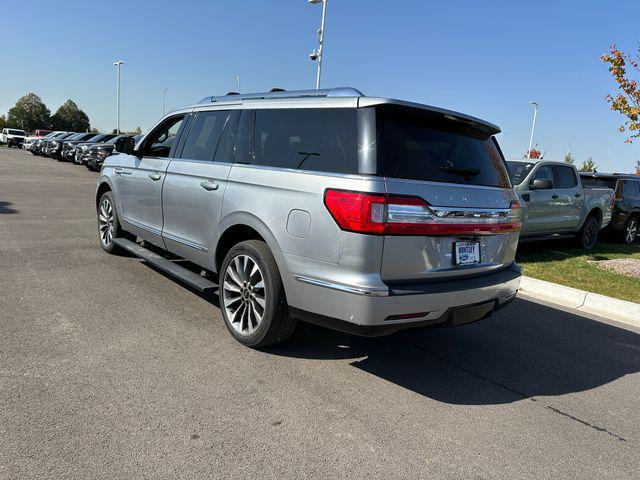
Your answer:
<point x="627" y="101"/>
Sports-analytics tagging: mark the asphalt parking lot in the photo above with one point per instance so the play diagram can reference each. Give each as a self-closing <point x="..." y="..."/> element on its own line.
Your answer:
<point x="109" y="369"/>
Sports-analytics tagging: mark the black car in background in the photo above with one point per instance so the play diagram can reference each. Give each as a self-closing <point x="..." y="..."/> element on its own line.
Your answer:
<point x="69" y="148"/>
<point x="44" y="145"/>
<point x="97" y="153"/>
<point x="625" y="219"/>
<point x="55" y="147"/>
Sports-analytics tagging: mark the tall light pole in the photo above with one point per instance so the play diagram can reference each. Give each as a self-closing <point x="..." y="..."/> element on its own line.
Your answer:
<point x="316" y="55"/>
<point x="164" y="100"/>
<point x="117" y="65"/>
<point x="533" y="126"/>
<point x="238" y="82"/>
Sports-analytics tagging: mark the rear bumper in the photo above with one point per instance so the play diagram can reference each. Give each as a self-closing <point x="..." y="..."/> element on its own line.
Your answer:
<point x="374" y="313"/>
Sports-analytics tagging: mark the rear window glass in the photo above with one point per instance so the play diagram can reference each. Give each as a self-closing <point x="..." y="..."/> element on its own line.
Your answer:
<point x="422" y="146"/>
<point x="518" y="171"/>
<point x="598" y="182"/>
<point x="318" y="139"/>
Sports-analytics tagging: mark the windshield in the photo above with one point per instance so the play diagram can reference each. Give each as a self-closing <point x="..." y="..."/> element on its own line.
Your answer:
<point x="518" y="171"/>
<point x="419" y="145"/>
<point x="113" y="140"/>
<point x="16" y="132"/>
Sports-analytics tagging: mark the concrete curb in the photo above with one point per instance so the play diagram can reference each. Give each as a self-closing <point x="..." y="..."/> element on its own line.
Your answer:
<point x="582" y="301"/>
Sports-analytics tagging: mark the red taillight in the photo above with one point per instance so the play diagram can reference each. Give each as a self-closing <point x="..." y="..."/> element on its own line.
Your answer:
<point x="355" y="211"/>
<point x="405" y="215"/>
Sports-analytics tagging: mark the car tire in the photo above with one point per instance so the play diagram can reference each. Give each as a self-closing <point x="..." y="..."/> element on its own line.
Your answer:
<point x="108" y="224"/>
<point x="252" y="297"/>
<point x="630" y="230"/>
<point x="588" y="234"/>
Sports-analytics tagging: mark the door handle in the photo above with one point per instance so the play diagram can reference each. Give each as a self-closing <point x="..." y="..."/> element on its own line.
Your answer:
<point x="155" y="176"/>
<point x="209" y="185"/>
<point x="554" y="196"/>
<point x="578" y="195"/>
<point x="122" y="171"/>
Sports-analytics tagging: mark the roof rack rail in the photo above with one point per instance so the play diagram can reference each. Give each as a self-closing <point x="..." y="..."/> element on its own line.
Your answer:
<point x="279" y="93"/>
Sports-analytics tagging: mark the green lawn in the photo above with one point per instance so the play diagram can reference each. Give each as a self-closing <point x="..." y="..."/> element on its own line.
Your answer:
<point x="561" y="262"/>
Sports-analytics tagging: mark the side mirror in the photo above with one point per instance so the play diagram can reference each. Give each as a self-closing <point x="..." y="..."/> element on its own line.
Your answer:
<point x="125" y="145"/>
<point x="541" y="184"/>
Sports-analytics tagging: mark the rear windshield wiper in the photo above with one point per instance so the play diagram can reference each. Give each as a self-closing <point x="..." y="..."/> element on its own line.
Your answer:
<point x="463" y="172"/>
<point x="306" y="155"/>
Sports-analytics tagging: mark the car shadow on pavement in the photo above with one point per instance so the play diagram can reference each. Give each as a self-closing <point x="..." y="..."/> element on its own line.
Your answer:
<point x="523" y="351"/>
<point x="5" y="207"/>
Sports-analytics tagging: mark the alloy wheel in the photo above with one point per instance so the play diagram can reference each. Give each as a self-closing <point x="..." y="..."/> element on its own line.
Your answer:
<point x="632" y="231"/>
<point x="244" y="294"/>
<point x="105" y="222"/>
<point x="591" y="234"/>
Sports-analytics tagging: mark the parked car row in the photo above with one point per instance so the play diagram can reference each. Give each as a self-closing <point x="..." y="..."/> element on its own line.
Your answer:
<point x="88" y="149"/>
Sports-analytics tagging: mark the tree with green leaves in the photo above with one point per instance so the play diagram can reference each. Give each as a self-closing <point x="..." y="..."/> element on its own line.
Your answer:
<point x="588" y="165"/>
<point x="638" y="168"/>
<point x="3" y="122"/>
<point x="570" y="159"/>
<point x="70" y="118"/>
<point x="29" y="113"/>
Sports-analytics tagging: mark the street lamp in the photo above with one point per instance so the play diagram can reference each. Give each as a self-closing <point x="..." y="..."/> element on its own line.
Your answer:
<point x="533" y="127"/>
<point x="164" y="100"/>
<point x="117" y="65"/>
<point x="316" y="55"/>
<point x="238" y="82"/>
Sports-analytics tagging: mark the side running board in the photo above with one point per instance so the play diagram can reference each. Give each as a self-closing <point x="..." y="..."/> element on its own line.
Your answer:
<point x="187" y="276"/>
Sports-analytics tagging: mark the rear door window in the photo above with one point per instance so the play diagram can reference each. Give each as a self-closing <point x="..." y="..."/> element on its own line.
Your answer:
<point x="204" y="135"/>
<point x="419" y="145"/>
<point x="565" y="177"/>
<point x="318" y="139"/>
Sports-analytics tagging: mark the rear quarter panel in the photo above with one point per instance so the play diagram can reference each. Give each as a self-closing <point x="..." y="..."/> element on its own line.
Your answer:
<point x="287" y="208"/>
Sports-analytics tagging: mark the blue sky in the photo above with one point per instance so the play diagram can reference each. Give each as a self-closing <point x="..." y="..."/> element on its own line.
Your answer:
<point x="488" y="59"/>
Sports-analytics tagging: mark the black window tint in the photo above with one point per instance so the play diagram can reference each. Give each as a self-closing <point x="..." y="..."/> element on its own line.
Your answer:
<point x="204" y="135"/>
<point x="631" y="188"/>
<point x="565" y="177"/>
<point x="637" y="184"/>
<point x="421" y="145"/>
<point x="227" y="144"/>
<point x="598" y="182"/>
<point x="320" y="139"/>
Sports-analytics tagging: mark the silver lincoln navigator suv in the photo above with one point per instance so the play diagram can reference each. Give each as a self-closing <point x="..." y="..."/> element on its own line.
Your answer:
<point x="366" y="215"/>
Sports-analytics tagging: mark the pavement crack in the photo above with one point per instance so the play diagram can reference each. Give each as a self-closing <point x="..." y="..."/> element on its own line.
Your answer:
<point x="522" y="395"/>
<point x="587" y="424"/>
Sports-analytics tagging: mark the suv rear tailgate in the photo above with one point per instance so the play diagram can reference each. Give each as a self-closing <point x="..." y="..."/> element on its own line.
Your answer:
<point x="418" y="258"/>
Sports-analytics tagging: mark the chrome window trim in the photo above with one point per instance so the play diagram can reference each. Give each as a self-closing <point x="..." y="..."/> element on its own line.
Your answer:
<point x="182" y="241"/>
<point x="342" y="288"/>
